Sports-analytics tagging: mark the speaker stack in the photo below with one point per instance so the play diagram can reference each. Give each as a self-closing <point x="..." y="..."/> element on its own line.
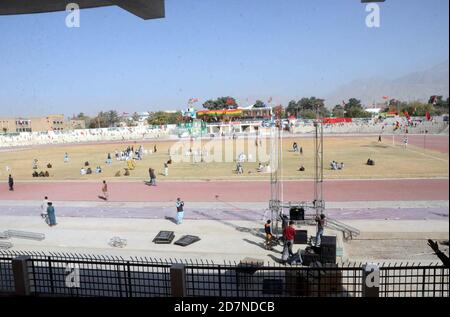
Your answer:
<point x="296" y="213"/>
<point x="328" y="249"/>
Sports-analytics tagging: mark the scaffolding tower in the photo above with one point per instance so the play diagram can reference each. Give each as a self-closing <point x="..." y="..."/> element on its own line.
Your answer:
<point x="317" y="206"/>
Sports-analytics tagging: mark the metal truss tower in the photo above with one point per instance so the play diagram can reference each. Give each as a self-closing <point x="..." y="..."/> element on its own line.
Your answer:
<point x="318" y="203"/>
<point x="276" y="199"/>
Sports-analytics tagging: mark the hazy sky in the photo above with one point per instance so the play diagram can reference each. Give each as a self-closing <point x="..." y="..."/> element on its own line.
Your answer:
<point x="210" y="48"/>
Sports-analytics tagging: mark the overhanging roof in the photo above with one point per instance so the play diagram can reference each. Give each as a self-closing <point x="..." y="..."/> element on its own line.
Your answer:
<point x="145" y="9"/>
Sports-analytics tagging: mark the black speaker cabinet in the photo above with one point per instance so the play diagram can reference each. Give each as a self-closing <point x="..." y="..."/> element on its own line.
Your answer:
<point x="328" y="249"/>
<point x="296" y="213"/>
<point x="301" y="237"/>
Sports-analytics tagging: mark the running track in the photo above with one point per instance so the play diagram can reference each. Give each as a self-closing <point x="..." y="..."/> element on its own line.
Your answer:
<point x="245" y="191"/>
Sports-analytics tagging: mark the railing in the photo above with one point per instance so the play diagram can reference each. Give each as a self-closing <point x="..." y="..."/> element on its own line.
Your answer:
<point x="69" y="275"/>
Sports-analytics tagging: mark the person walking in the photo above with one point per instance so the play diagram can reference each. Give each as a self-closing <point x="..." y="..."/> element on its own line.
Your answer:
<point x="320" y="227"/>
<point x="379" y="138"/>
<point x="66" y="158"/>
<point x="269" y="235"/>
<point x="51" y="214"/>
<point x="289" y="236"/>
<point x="105" y="190"/>
<point x="44" y="207"/>
<point x="180" y="211"/>
<point x="11" y="183"/>
<point x="166" y="169"/>
<point x="152" y="177"/>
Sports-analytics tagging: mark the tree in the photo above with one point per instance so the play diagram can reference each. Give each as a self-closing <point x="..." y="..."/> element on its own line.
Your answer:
<point x="104" y="120"/>
<point x="135" y="117"/>
<point x="440" y="105"/>
<point x="292" y="108"/>
<point x="279" y="112"/>
<point x="308" y="107"/>
<point x="417" y="108"/>
<point x="164" y="118"/>
<point x="259" y="104"/>
<point x="85" y="118"/>
<point x="221" y="103"/>
<point x="354" y="109"/>
<point x="338" y="111"/>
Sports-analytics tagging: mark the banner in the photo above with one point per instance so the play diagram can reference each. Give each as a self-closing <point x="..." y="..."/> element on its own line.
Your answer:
<point x="336" y="120"/>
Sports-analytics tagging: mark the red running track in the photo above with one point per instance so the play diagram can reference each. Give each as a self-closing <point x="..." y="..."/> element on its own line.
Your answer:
<point x="246" y="191"/>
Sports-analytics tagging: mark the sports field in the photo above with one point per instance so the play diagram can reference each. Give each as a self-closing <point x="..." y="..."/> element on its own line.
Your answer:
<point x="392" y="160"/>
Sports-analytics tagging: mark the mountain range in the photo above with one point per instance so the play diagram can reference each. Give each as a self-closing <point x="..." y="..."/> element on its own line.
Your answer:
<point x="419" y="85"/>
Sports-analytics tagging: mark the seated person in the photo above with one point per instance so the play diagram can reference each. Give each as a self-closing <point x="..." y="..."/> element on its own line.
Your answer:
<point x="370" y="162"/>
<point x="301" y="169"/>
<point x="86" y="163"/>
<point x="341" y="166"/>
<point x="41" y="174"/>
<point x="260" y="168"/>
<point x="35" y="174"/>
<point x="89" y="171"/>
<point x="46" y="174"/>
<point x="82" y="171"/>
<point x="49" y="165"/>
<point x="169" y="161"/>
<point x="127" y="172"/>
<point x="98" y="170"/>
<point x="239" y="168"/>
<point x="334" y="165"/>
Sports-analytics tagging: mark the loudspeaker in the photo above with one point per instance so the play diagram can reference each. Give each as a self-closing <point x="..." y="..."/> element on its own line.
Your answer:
<point x="296" y="213"/>
<point x="328" y="249"/>
<point x="301" y="237"/>
<point x="164" y="237"/>
<point x="309" y="258"/>
<point x="187" y="240"/>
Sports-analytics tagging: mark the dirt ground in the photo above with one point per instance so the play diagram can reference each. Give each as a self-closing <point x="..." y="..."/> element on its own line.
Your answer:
<point x="392" y="161"/>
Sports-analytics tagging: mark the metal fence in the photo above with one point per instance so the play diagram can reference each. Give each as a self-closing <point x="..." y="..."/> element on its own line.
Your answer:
<point x="69" y="275"/>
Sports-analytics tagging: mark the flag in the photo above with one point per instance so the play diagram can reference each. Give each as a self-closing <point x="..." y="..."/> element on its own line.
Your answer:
<point x="408" y="117"/>
<point x="435" y="100"/>
<point x="230" y="101"/>
<point x="192" y="100"/>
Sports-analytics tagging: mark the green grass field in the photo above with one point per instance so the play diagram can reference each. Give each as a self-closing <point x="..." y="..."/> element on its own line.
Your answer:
<point x="391" y="161"/>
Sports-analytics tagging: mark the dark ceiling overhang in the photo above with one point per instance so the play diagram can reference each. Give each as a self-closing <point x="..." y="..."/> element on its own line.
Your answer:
<point x="145" y="9"/>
